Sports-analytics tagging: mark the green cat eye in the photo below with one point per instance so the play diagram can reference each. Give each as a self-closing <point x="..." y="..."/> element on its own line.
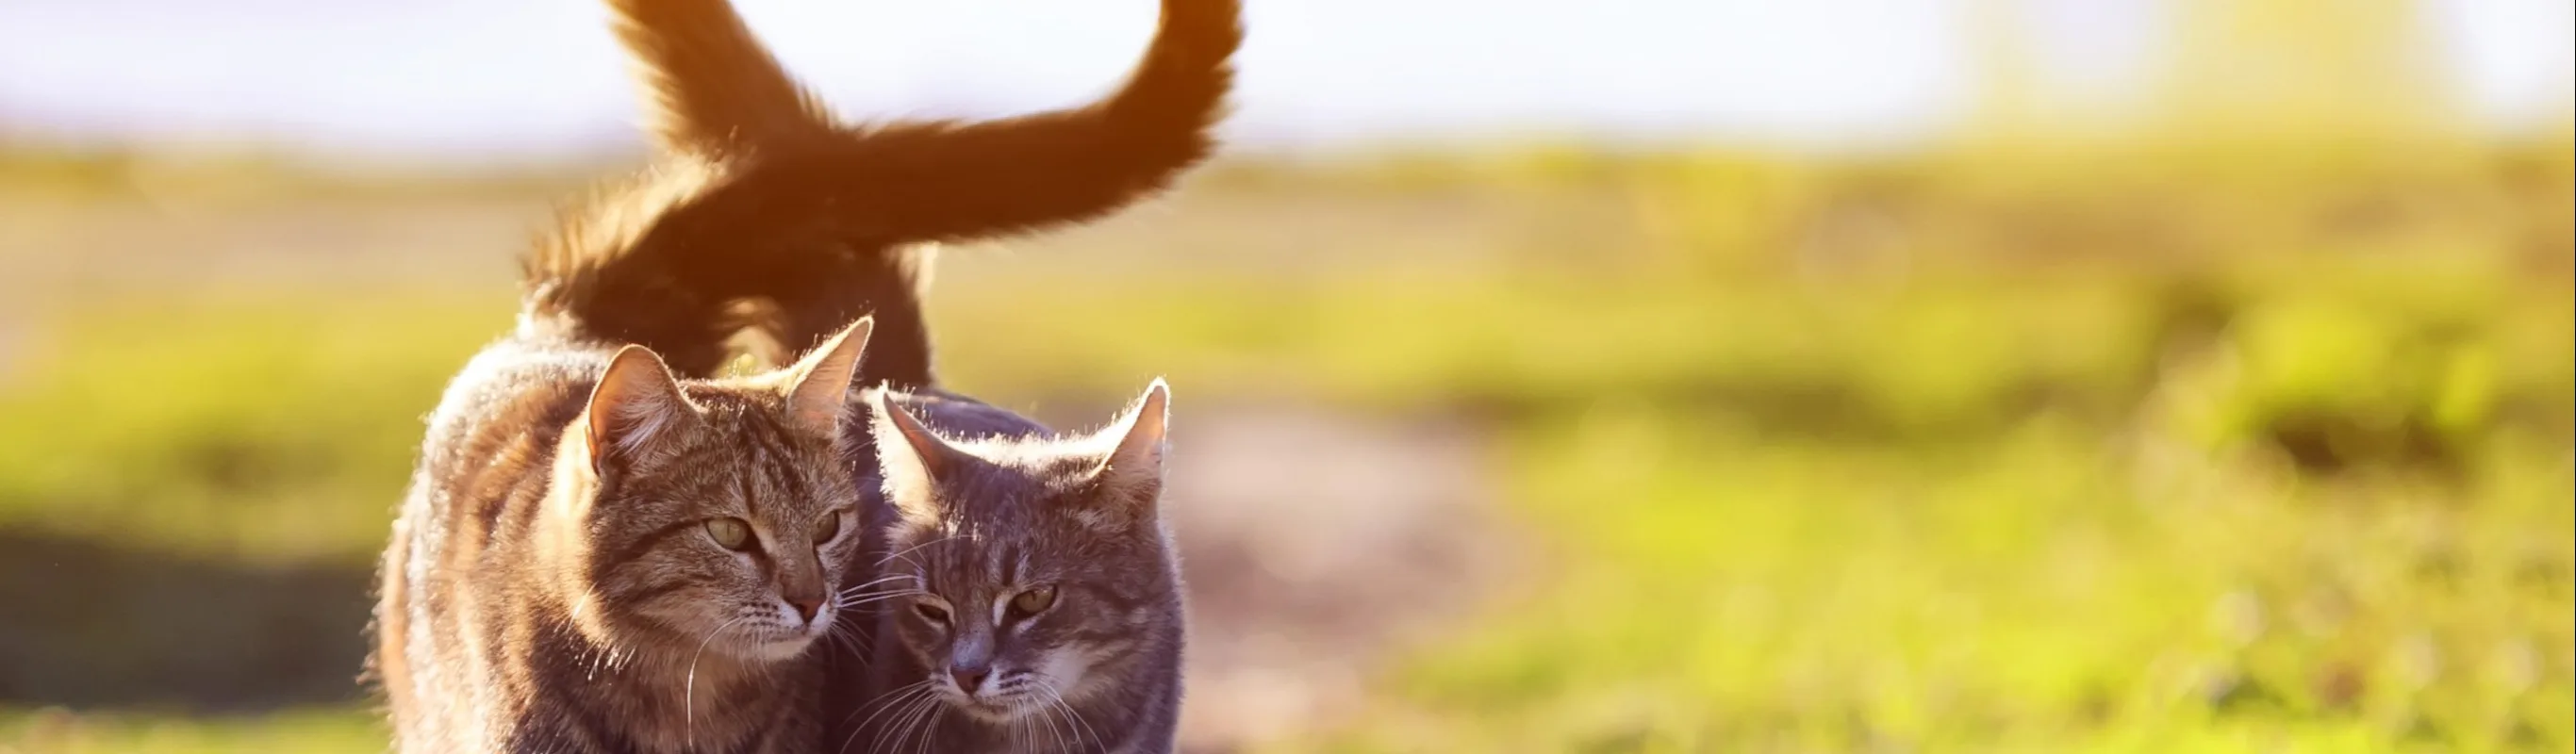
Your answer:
<point x="730" y="533"/>
<point x="827" y="528"/>
<point x="930" y="612"/>
<point x="1032" y="601"/>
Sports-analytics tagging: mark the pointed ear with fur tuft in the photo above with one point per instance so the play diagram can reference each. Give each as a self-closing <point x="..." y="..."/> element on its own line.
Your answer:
<point x="1133" y="470"/>
<point x="635" y="405"/>
<point x="909" y="456"/>
<point x="819" y="384"/>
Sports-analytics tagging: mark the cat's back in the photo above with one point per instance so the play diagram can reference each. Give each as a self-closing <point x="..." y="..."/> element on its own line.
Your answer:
<point x="481" y="471"/>
<point x="960" y="416"/>
<point x="491" y="441"/>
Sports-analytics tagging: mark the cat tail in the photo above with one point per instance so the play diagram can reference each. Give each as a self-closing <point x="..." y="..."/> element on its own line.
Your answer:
<point x="886" y="188"/>
<point x="673" y="260"/>
<point x="713" y="90"/>
<point x="621" y="268"/>
<point x="761" y="198"/>
<point x="956" y="181"/>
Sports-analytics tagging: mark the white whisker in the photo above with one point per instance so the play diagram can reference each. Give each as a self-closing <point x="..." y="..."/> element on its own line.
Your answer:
<point x="898" y="699"/>
<point x="689" y="691"/>
<point x="930" y="729"/>
<point x="881" y="580"/>
<point x="1059" y="736"/>
<point x="914" y="712"/>
<point x="909" y="550"/>
<point x="1072" y="714"/>
<point x="849" y="602"/>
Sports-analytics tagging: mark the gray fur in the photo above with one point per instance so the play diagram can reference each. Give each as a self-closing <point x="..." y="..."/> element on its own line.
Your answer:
<point x="1012" y="505"/>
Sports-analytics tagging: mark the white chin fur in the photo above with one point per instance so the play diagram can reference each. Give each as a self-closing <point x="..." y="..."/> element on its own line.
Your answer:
<point x="777" y="647"/>
<point x="991" y="710"/>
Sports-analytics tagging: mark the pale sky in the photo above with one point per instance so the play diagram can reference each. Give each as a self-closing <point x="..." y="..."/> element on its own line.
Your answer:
<point x="458" y="78"/>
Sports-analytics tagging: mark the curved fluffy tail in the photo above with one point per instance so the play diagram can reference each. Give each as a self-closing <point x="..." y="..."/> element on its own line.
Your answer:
<point x="955" y="181"/>
<point x="715" y="90"/>
<point x="770" y="201"/>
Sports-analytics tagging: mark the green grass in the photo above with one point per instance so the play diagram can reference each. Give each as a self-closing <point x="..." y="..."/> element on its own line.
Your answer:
<point x="263" y="430"/>
<point x="300" y="732"/>
<point x="258" y="431"/>
<point x="1950" y="568"/>
<point x="1717" y="590"/>
<point x="2290" y="487"/>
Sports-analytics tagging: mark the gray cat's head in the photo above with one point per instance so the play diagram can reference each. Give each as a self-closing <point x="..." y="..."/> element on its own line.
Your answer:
<point x="1037" y="567"/>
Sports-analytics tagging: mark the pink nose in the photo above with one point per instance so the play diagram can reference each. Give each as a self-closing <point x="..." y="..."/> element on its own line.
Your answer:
<point x="807" y="608"/>
<point x="969" y="679"/>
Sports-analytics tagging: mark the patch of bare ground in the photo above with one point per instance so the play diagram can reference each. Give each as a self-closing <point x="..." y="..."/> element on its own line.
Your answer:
<point x="1317" y="547"/>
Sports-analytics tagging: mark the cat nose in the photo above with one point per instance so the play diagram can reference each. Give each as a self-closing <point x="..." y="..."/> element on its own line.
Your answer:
<point x="807" y="607"/>
<point x="969" y="679"/>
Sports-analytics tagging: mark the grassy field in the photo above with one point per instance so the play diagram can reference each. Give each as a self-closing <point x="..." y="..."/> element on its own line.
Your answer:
<point x="2197" y="448"/>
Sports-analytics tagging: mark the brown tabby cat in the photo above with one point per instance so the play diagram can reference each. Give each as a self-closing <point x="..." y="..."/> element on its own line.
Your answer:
<point x="607" y="549"/>
<point x="1035" y="597"/>
<point x="600" y="557"/>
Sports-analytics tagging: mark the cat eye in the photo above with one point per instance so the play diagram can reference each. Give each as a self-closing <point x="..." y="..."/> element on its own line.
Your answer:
<point x="930" y="612"/>
<point x="827" y="528"/>
<point x="730" y="533"/>
<point x="1032" y="601"/>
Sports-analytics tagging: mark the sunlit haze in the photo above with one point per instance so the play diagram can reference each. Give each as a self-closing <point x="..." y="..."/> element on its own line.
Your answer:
<point x="518" y="77"/>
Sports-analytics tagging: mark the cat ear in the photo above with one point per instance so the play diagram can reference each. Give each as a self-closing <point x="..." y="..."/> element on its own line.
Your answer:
<point x="819" y="384"/>
<point x="908" y="454"/>
<point x="1133" y="470"/>
<point x="636" y="403"/>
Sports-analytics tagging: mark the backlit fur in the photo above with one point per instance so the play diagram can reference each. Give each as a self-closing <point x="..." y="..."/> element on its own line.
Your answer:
<point x="543" y="589"/>
<point x="982" y="506"/>
<point x="552" y="585"/>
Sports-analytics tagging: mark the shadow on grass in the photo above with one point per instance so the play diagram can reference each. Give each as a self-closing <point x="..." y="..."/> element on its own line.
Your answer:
<point x="88" y="625"/>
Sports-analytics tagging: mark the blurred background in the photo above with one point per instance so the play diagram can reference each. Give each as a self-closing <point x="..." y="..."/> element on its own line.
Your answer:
<point x="1652" y="376"/>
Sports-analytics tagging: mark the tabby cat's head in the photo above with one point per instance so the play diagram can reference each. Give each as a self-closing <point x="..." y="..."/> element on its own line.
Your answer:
<point x="1036" y="568"/>
<point x="715" y="514"/>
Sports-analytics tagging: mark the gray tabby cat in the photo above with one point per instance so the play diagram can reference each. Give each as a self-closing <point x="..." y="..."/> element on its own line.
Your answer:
<point x="1030" y="599"/>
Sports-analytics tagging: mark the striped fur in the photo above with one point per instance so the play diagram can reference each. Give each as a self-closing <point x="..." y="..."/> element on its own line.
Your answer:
<point x="983" y="507"/>
<point x="552" y="582"/>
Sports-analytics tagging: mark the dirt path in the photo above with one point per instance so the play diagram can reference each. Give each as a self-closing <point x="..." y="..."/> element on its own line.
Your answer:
<point x="1316" y="544"/>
